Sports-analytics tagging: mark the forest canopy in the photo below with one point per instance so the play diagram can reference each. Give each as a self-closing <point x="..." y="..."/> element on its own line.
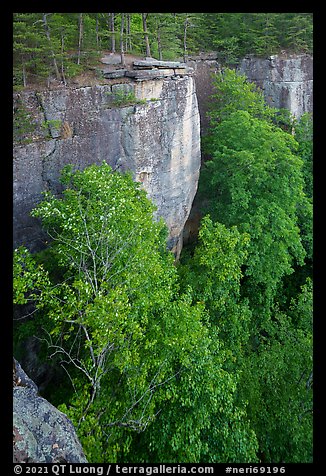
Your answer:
<point x="61" y="45"/>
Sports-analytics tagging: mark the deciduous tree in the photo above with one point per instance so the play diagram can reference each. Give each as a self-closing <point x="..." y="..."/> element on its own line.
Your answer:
<point x="108" y="297"/>
<point x="255" y="181"/>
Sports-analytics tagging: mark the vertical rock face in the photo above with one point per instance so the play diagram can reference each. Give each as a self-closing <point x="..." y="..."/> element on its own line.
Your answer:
<point x="287" y="82"/>
<point x="165" y="148"/>
<point x="204" y="66"/>
<point x="156" y="136"/>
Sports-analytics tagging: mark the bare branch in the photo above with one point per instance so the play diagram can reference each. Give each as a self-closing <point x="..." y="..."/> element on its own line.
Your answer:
<point x="71" y="360"/>
<point x="25" y="316"/>
<point x="90" y="346"/>
<point x="309" y="381"/>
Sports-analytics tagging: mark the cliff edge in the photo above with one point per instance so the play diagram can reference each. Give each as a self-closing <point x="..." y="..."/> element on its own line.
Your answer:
<point x="148" y="124"/>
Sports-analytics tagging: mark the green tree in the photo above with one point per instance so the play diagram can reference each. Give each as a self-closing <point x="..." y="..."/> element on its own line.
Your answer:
<point x="264" y="33"/>
<point x="234" y="35"/>
<point x="108" y="298"/>
<point x="52" y="43"/>
<point x="304" y="136"/>
<point x="201" y="420"/>
<point x="214" y="273"/>
<point x="277" y="383"/>
<point x="226" y="32"/>
<point x="255" y="181"/>
<point x="233" y="92"/>
<point x="256" y="187"/>
<point x="297" y="31"/>
<point x="30" y="49"/>
<point x="166" y="43"/>
<point x="100" y="308"/>
<point x="57" y="43"/>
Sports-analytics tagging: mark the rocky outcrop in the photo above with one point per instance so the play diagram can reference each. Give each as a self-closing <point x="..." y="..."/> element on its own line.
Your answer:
<point x="150" y="68"/>
<point x="286" y="80"/>
<point x="143" y="70"/>
<point x="150" y="127"/>
<point x="41" y="433"/>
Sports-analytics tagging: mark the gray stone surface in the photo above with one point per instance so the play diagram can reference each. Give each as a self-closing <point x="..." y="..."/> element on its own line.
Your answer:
<point x="158" y="140"/>
<point x="111" y="59"/>
<point x="287" y="81"/>
<point x="146" y="74"/>
<point x="149" y="63"/>
<point x="118" y="73"/>
<point x="20" y="378"/>
<point x="41" y="433"/>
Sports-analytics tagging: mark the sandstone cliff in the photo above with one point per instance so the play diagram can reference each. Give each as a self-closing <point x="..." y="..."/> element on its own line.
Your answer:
<point x="286" y="80"/>
<point x="150" y="127"/>
<point x="156" y="135"/>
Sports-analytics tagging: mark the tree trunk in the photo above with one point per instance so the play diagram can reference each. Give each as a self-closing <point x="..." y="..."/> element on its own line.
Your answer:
<point x="159" y="44"/>
<point x="24" y="76"/>
<point x="48" y="35"/>
<point x="62" y="63"/>
<point x="186" y="24"/>
<point x="122" y="53"/>
<point x="96" y="29"/>
<point x="128" y="39"/>
<point x="148" y="50"/>
<point x="80" y="37"/>
<point x="111" y="26"/>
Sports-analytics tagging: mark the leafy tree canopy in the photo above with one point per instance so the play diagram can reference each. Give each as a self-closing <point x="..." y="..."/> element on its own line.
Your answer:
<point x="255" y="181"/>
<point x="137" y="350"/>
<point x="257" y="187"/>
<point x="209" y="359"/>
<point x="277" y="383"/>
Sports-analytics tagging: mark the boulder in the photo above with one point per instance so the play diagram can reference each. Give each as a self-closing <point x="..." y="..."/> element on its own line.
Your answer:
<point x="118" y="73"/>
<point x="41" y="433"/>
<point x="145" y="75"/>
<point x="153" y="63"/>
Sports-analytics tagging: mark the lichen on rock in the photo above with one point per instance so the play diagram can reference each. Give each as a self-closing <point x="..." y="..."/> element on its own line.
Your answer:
<point x="41" y="433"/>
